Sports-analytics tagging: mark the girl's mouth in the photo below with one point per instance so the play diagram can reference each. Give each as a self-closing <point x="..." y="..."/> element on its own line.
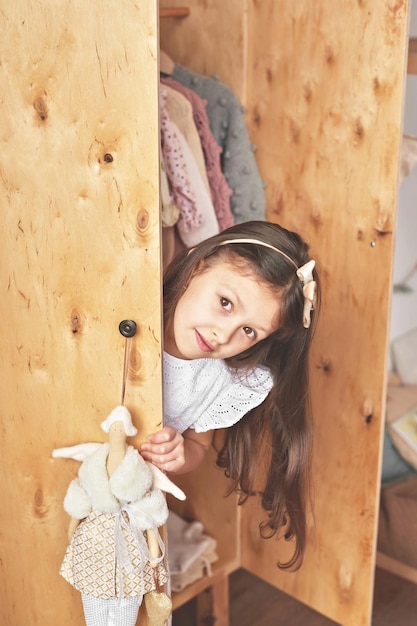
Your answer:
<point x="202" y="343"/>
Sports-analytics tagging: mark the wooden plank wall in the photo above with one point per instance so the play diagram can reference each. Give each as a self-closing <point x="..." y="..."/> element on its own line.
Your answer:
<point x="212" y="40"/>
<point x="323" y="83"/>
<point x="79" y="253"/>
<point x="325" y="109"/>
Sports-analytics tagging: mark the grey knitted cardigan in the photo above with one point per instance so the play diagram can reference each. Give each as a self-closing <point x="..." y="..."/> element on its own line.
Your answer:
<point x="228" y="126"/>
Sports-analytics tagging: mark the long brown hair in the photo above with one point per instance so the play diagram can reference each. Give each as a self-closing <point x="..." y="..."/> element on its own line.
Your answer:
<point x="280" y="428"/>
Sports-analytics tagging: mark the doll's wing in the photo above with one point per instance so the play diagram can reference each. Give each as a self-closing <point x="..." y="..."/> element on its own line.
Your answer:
<point x="162" y="482"/>
<point x="79" y="452"/>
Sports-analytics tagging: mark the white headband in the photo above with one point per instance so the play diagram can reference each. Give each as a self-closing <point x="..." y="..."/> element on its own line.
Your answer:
<point x="260" y="243"/>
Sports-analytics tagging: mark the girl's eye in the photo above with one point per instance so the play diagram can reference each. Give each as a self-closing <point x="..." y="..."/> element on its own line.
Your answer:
<point x="249" y="332"/>
<point x="226" y="304"/>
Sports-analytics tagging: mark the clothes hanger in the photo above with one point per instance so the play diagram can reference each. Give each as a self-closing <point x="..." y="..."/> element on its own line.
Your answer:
<point x="166" y="64"/>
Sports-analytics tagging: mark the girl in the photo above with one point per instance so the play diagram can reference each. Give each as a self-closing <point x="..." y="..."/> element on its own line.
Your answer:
<point x="237" y="311"/>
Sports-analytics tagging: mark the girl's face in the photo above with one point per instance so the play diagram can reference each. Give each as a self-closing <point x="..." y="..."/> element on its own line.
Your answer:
<point x="221" y="314"/>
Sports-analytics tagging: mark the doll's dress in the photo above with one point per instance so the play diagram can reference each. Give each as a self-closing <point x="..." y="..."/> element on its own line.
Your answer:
<point x="107" y="556"/>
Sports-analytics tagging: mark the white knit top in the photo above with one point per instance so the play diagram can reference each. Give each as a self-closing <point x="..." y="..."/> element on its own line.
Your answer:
<point x="204" y="394"/>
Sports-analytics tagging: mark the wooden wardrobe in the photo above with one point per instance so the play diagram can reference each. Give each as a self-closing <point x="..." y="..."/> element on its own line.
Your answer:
<point x="323" y="88"/>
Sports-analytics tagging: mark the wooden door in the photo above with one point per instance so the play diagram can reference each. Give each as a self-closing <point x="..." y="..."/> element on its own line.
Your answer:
<point x="79" y="253"/>
<point x="323" y="85"/>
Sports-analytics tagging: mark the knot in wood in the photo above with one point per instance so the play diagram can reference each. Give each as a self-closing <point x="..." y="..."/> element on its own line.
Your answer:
<point x="76" y="322"/>
<point x="41" y="108"/>
<point x="142" y="220"/>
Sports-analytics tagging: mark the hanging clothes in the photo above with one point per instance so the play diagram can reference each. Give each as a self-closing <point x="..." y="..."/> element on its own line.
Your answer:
<point x="228" y="126"/>
<point x="176" y="170"/>
<point x="180" y="112"/>
<point x="220" y="190"/>
<point x="197" y="220"/>
<point x="169" y="216"/>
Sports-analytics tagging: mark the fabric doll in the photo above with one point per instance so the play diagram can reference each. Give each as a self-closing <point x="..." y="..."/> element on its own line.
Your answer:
<point x="115" y="552"/>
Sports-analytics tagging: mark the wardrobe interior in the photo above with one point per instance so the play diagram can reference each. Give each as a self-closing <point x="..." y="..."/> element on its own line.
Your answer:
<point x="322" y="90"/>
<point x="313" y="91"/>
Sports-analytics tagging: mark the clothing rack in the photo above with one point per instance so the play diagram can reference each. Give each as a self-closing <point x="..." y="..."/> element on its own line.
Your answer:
<point x="174" y="12"/>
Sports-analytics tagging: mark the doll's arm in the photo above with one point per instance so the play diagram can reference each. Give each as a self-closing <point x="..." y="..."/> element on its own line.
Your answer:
<point x="161" y="481"/>
<point x="79" y="452"/>
<point x="77" y="504"/>
<point x="72" y="527"/>
<point x="153" y="545"/>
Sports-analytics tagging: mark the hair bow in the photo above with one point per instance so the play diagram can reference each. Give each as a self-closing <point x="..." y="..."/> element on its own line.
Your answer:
<point x="305" y="274"/>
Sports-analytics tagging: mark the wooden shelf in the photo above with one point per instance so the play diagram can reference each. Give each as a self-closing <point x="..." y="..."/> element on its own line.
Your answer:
<point x="219" y="573"/>
<point x="396" y="567"/>
<point x="174" y="12"/>
<point x="412" y="56"/>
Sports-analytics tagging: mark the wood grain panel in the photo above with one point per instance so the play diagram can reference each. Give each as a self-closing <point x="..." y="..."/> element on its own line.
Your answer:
<point x="325" y="109"/>
<point x="79" y="253"/>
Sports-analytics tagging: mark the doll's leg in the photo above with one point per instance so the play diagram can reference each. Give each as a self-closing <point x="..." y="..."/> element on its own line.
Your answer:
<point x="99" y="612"/>
<point x="96" y="610"/>
<point x="124" y="612"/>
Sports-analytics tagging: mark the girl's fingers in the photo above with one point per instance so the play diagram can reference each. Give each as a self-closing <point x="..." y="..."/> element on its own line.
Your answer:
<point x="168" y="461"/>
<point x="157" y="448"/>
<point x="164" y="435"/>
<point x="163" y="441"/>
<point x="165" y="449"/>
<point x="172" y="466"/>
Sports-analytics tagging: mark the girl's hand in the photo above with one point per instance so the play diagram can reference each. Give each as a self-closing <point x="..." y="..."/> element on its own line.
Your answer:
<point x="165" y="449"/>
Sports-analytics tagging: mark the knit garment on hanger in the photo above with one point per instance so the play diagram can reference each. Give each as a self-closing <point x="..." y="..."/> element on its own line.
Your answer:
<point x="204" y="394"/>
<point x="219" y="189"/>
<point x="197" y="220"/>
<point x="180" y="111"/>
<point x="177" y="172"/>
<point x="228" y="126"/>
<point x="209" y="225"/>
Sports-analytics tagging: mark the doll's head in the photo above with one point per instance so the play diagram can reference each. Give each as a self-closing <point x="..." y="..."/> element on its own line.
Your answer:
<point x="120" y="414"/>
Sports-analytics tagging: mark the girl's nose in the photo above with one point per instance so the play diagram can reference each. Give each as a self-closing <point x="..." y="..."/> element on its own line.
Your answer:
<point x="224" y="333"/>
